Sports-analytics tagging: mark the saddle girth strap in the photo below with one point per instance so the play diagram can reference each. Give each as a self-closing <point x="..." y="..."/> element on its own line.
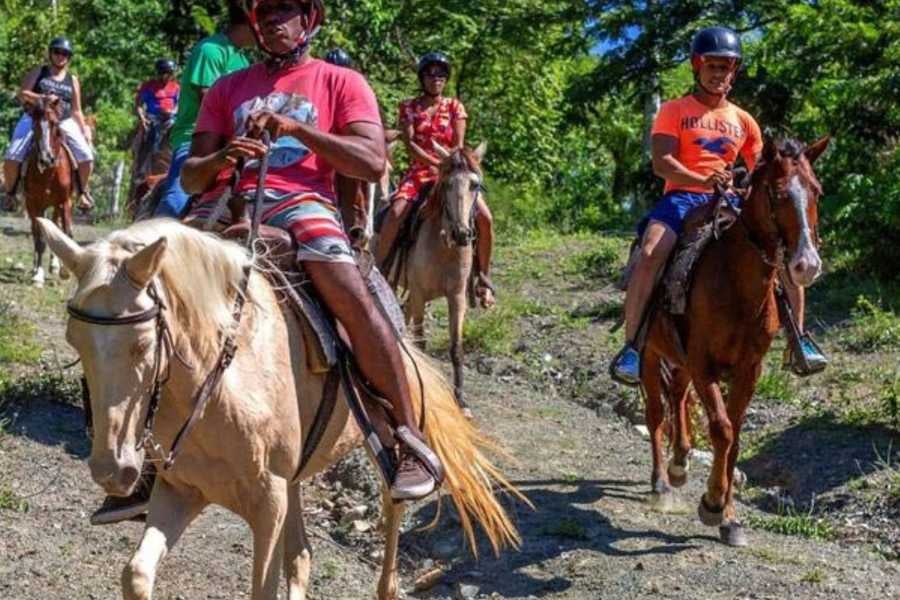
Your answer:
<point x="321" y="421"/>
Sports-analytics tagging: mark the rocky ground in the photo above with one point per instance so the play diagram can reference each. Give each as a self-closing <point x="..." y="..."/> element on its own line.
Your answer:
<point x="822" y="498"/>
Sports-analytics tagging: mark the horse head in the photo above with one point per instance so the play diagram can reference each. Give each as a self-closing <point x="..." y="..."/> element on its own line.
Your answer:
<point x="46" y="115"/>
<point x="457" y="189"/>
<point x="120" y="357"/>
<point x="784" y="204"/>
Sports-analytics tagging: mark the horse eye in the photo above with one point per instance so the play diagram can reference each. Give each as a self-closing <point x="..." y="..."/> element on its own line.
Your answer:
<point x="475" y="186"/>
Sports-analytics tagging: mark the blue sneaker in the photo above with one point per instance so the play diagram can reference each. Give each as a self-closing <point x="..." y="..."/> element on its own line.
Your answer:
<point x="626" y="366"/>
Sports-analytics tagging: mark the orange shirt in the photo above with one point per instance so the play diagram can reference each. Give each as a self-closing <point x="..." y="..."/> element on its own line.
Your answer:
<point x="709" y="139"/>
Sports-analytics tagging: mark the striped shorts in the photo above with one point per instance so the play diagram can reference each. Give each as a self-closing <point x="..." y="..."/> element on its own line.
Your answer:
<point x="313" y="222"/>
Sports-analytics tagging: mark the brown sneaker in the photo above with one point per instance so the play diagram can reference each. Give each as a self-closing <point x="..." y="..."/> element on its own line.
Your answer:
<point x="420" y="471"/>
<point x="132" y="508"/>
<point x="413" y="481"/>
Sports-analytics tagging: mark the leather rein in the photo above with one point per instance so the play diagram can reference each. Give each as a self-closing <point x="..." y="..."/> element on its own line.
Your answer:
<point x="165" y="344"/>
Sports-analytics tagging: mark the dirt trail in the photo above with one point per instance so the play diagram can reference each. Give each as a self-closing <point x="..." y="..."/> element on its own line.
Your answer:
<point x="585" y="468"/>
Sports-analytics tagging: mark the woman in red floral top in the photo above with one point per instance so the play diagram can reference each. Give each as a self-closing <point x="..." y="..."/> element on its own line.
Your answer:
<point x="432" y="118"/>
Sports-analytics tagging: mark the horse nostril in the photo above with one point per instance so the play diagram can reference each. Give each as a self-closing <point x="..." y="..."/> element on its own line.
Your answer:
<point x="130" y="475"/>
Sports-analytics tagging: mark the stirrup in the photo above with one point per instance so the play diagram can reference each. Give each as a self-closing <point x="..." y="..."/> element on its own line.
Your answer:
<point x="796" y="361"/>
<point x="421" y="450"/>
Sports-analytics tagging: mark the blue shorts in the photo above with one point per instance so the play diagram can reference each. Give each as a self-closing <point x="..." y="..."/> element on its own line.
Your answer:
<point x="174" y="199"/>
<point x="674" y="207"/>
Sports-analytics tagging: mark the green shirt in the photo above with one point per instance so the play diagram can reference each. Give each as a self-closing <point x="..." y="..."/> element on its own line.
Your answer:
<point x="210" y="59"/>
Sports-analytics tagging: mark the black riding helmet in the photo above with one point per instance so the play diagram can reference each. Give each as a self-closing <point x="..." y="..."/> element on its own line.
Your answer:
<point x="164" y="65"/>
<point x="339" y="57"/>
<point x="717" y="41"/>
<point x="433" y="58"/>
<point x="61" y="44"/>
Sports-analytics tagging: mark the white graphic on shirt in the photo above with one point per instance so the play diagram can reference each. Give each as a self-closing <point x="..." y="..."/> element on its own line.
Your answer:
<point x="286" y="151"/>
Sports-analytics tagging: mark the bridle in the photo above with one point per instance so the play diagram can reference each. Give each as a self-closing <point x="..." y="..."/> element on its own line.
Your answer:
<point x="472" y="235"/>
<point x="165" y="342"/>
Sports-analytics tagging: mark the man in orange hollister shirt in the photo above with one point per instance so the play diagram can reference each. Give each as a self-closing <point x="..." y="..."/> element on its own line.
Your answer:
<point x="695" y="142"/>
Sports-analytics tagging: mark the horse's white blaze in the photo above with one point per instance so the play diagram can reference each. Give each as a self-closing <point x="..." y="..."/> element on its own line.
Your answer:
<point x="45" y="145"/>
<point x="805" y="264"/>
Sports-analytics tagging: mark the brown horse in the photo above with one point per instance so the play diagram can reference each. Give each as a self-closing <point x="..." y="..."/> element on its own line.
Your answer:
<point x="731" y="320"/>
<point x="439" y="264"/>
<point x="49" y="182"/>
<point x="152" y="157"/>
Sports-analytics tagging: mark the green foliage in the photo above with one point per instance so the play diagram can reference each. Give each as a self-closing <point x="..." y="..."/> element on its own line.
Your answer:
<point x="17" y="344"/>
<point x="12" y="502"/>
<point x="872" y="328"/>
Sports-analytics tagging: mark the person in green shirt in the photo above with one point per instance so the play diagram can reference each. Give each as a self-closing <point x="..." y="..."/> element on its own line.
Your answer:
<point x="210" y="59"/>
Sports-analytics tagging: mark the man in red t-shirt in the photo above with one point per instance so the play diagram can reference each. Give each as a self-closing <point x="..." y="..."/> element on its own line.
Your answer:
<point x="321" y="119"/>
<point x="156" y="103"/>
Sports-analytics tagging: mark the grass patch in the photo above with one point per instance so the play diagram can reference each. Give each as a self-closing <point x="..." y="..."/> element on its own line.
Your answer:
<point x="795" y="524"/>
<point x="873" y="328"/>
<point x="17" y="339"/>
<point x="11" y="502"/>
<point x="814" y="576"/>
<point x="604" y="260"/>
<point x="775" y="385"/>
<point x="492" y="332"/>
<point x="51" y="386"/>
<point x="569" y="529"/>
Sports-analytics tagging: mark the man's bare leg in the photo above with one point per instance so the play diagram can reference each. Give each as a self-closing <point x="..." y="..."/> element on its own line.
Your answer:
<point x="657" y="245"/>
<point x="85" y="169"/>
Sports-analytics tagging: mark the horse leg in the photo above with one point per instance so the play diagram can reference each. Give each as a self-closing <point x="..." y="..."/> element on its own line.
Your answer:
<point x="732" y="532"/>
<point x="297" y="550"/>
<point x="171" y="511"/>
<point x="415" y="315"/>
<point x="457" y="310"/>
<point x="37" y="272"/>
<point x="661" y="494"/>
<point x="389" y="584"/>
<point x="268" y="539"/>
<point x="679" y="403"/>
<point x="712" y="504"/>
<point x="66" y="214"/>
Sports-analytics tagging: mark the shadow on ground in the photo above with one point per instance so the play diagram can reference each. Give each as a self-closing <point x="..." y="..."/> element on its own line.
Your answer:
<point x="565" y="519"/>
<point x="820" y="454"/>
<point x="44" y="409"/>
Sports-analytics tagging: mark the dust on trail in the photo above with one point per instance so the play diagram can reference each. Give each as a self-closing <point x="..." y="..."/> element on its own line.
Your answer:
<point x="584" y="467"/>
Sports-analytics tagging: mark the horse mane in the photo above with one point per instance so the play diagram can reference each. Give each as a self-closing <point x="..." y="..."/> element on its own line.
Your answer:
<point x="200" y="276"/>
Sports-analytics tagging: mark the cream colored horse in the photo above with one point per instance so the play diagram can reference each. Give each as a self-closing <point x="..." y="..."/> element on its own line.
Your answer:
<point x="245" y="450"/>
<point x="439" y="264"/>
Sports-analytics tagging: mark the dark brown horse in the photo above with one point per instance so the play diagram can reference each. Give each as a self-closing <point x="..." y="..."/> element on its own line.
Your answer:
<point x="49" y="181"/>
<point x="730" y="322"/>
<point x="152" y="157"/>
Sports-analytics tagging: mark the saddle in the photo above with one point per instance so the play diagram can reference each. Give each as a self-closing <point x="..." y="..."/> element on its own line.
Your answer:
<point x="327" y="345"/>
<point x="394" y="264"/>
<point x="702" y="225"/>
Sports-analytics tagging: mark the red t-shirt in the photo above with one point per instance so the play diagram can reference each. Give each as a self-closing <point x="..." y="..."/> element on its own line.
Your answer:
<point x="159" y="97"/>
<point x="709" y="139"/>
<point x="428" y="129"/>
<point x="315" y="92"/>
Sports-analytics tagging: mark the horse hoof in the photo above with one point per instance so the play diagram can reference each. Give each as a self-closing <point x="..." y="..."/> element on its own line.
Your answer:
<point x="733" y="534"/>
<point x="678" y="475"/>
<point x="709" y="516"/>
<point x="665" y="502"/>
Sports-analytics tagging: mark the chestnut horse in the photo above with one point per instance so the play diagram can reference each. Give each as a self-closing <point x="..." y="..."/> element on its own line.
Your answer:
<point x="49" y="182"/>
<point x="152" y="157"/>
<point x="731" y="320"/>
<point x="440" y="262"/>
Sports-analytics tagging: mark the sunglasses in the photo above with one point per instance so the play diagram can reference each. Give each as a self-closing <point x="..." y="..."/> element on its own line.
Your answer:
<point x="436" y="74"/>
<point x="60" y="53"/>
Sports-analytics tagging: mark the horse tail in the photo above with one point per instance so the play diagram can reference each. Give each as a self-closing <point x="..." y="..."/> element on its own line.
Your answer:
<point x="471" y="477"/>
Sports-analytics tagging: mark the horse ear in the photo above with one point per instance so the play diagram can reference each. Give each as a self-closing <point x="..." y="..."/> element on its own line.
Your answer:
<point x="442" y="152"/>
<point x="770" y="150"/>
<point x="817" y="148"/>
<point x="143" y="266"/>
<point x="64" y="247"/>
<point x="480" y="151"/>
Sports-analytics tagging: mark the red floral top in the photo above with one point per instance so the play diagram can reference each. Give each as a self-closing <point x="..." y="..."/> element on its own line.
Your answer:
<point x="429" y="129"/>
